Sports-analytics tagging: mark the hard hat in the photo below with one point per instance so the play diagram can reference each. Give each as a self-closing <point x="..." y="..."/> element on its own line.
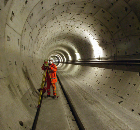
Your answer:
<point x="51" y="59"/>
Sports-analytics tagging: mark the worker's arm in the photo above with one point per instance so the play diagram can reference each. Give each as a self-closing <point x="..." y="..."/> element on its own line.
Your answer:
<point x="44" y="67"/>
<point x="53" y="68"/>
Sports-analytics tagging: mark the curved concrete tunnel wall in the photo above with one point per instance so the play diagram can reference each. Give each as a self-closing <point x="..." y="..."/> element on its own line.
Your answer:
<point x="31" y="31"/>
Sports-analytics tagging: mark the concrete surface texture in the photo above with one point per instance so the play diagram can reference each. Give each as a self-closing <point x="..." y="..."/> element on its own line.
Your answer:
<point x="55" y="114"/>
<point x="71" y="30"/>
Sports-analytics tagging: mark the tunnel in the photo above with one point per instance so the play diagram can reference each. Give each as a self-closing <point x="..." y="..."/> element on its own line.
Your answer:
<point x="96" y="47"/>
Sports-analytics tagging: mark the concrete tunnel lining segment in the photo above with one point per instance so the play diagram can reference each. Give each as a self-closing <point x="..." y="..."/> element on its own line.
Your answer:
<point x="27" y="27"/>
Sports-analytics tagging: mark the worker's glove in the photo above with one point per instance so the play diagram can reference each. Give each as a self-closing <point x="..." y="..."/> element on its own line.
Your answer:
<point x="44" y="90"/>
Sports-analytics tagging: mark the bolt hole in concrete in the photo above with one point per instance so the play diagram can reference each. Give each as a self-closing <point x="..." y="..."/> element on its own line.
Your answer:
<point x="8" y="38"/>
<point x="21" y="123"/>
<point x="26" y="2"/>
<point x="126" y="9"/>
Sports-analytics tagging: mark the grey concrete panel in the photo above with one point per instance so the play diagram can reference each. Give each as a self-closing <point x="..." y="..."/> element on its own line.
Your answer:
<point x="132" y="25"/>
<point x="120" y="10"/>
<point x="108" y="20"/>
<point x="33" y="30"/>
<point x="18" y="14"/>
<point x="135" y="7"/>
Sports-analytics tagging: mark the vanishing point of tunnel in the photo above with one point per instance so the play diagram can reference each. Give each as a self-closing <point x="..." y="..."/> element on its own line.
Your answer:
<point x="96" y="47"/>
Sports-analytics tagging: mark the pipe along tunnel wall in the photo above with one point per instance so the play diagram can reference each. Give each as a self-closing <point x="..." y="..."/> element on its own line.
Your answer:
<point x="31" y="31"/>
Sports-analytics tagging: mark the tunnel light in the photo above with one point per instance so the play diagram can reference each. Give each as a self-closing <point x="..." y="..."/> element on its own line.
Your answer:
<point x="60" y="65"/>
<point x="64" y="59"/>
<point x="61" y="59"/>
<point x="96" y="48"/>
<point x="69" y="57"/>
<point x="58" y="56"/>
<point x="78" y="56"/>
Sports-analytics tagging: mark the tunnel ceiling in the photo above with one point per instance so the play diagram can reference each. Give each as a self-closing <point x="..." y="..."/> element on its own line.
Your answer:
<point x="79" y="29"/>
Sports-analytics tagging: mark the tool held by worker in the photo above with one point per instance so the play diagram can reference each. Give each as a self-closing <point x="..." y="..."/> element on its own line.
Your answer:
<point x="42" y="88"/>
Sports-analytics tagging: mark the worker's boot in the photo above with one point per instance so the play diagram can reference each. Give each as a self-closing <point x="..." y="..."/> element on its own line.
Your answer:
<point x="54" y="96"/>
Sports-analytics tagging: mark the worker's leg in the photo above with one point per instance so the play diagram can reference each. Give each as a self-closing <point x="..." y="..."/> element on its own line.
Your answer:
<point x="54" y="89"/>
<point x="48" y="86"/>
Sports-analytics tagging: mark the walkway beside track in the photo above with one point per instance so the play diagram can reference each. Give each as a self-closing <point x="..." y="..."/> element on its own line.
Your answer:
<point x="55" y="114"/>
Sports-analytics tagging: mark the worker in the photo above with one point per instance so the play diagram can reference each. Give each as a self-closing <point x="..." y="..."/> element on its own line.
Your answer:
<point x="51" y="78"/>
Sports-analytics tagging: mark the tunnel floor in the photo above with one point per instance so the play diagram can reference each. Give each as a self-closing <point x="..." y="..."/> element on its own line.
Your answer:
<point x="94" y="110"/>
<point x="55" y="114"/>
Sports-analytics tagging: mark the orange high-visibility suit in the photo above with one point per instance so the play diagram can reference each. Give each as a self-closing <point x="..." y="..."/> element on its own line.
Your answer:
<point x="51" y="78"/>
